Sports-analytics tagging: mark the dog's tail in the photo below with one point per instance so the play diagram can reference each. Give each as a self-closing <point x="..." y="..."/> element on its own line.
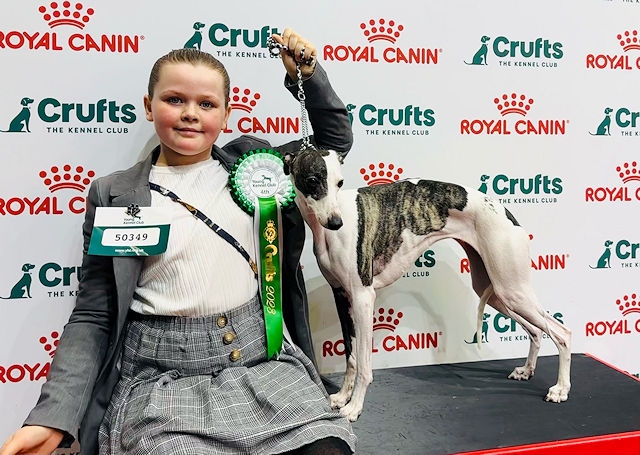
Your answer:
<point x="486" y="295"/>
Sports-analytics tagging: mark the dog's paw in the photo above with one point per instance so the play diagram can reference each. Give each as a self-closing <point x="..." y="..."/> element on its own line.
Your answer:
<point x="351" y="411"/>
<point x="338" y="400"/>
<point x="521" y="374"/>
<point x="557" y="394"/>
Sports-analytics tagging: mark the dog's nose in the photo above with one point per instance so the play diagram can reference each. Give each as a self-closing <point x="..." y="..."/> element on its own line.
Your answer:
<point x="334" y="223"/>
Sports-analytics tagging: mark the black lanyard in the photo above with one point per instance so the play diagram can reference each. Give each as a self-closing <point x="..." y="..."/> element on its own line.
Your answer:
<point x="206" y="220"/>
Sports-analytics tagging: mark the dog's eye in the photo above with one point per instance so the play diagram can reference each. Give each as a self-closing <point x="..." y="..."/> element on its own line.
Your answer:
<point x="312" y="181"/>
<point x="340" y="183"/>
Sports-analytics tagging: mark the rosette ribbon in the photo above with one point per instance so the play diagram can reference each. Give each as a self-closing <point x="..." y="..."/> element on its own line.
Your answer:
<point x="261" y="188"/>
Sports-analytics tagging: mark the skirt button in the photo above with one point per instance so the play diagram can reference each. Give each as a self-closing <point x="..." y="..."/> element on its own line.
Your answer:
<point x="228" y="338"/>
<point x="222" y="321"/>
<point x="235" y="355"/>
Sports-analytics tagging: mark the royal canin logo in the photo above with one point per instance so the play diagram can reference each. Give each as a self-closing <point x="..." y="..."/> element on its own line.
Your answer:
<point x="21" y="372"/>
<point x="65" y="177"/>
<point x="380" y="173"/>
<point x="381" y="34"/>
<point x="513" y="105"/>
<point x="71" y="15"/>
<point x="628" y="305"/>
<point x="629" y="41"/>
<point x="549" y="261"/>
<point x="388" y="320"/>
<point x="245" y="100"/>
<point x="628" y="173"/>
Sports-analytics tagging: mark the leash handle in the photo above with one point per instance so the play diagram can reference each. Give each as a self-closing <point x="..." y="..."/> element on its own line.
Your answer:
<point x="274" y="50"/>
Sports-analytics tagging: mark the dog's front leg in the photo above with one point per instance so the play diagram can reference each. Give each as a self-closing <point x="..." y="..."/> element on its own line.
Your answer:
<point x="362" y="314"/>
<point x="343" y="306"/>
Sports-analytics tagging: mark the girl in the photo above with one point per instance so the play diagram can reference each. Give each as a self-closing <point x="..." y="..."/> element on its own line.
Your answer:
<point x="166" y="354"/>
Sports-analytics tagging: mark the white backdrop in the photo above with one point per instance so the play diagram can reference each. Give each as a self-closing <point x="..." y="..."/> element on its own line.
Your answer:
<point x="521" y="121"/>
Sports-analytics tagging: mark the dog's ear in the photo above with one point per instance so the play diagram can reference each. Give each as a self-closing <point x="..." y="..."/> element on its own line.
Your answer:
<point x="287" y="159"/>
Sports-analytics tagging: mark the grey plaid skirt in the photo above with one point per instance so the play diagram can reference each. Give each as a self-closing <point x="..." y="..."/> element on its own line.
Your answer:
<point x="203" y="386"/>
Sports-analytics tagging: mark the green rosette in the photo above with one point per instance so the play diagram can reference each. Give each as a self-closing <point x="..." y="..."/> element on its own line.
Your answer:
<point x="260" y="187"/>
<point x="260" y="174"/>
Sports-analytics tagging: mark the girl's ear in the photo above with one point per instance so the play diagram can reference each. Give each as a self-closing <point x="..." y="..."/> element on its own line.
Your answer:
<point x="147" y="108"/>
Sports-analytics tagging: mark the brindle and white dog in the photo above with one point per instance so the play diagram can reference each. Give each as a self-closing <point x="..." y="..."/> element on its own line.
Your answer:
<point x="366" y="239"/>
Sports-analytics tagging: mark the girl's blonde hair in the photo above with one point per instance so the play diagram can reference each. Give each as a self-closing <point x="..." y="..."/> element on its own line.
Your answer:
<point x="194" y="57"/>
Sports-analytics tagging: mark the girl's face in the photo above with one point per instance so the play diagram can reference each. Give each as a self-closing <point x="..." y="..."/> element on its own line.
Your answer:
<point x="188" y="110"/>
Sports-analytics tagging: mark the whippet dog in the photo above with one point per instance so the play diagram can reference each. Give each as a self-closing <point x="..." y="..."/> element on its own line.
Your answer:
<point x="365" y="239"/>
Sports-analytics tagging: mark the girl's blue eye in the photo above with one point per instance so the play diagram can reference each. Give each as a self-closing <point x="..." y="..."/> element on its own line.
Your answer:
<point x="173" y="100"/>
<point x="207" y="104"/>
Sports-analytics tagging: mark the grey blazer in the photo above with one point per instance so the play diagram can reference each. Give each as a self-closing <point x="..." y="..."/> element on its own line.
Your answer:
<point x="84" y="371"/>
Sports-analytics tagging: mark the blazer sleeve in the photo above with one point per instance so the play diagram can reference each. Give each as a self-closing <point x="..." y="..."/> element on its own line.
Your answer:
<point x="65" y="395"/>
<point x="327" y="113"/>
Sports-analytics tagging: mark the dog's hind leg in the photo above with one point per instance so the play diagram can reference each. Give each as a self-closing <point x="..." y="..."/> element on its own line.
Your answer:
<point x="343" y="306"/>
<point x="362" y="313"/>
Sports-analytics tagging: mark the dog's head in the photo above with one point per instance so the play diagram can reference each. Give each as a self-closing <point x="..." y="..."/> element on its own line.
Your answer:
<point x="317" y="178"/>
<point x="26" y="101"/>
<point x="484" y="39"/>
<point x="608" y="111"/>
<point x="198" y="25"/>
<point x="27" y="267"/>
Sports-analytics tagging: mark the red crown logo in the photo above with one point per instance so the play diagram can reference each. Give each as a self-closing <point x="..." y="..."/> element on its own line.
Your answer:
<point x="382" y="173"/>
<point x="388" y="319"/>
<point x="513" y="104"/>
<point x="67" y="178"/>
<point x="66" y="13"/>
<point x="629" y="40"/>
<point x="50" y="346"/>
<point x="628" y="171"/>
<point x="381" y="30"/>
<point x="244" y="100"/>
<point x="628" y="304"/>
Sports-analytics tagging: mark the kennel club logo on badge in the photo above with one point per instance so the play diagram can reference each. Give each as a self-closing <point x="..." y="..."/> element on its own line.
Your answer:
<point x="387" y="320"/>
<point x="31" y="372"/>
<point x="629" y="307"/>
<point x="73" y="16"/>
<point x="513" y="106"/>
<point x="623" y="118"/>
<point x="62" y="117"/>
<point x="518" y="54"/>
<point x="238" y="42"/>
<point x="629" y="59"/>
<point x="64" y="178"/>
<point x="243" y="101"/>
<point x="381" y="36"/>
<point x="629" y="191"/>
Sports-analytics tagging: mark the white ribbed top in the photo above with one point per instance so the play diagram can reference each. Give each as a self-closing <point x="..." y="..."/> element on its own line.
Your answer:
<point x="200" y="273"/>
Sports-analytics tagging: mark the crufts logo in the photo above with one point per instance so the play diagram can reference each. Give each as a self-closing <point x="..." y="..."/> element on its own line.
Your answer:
<point x="624" y="118"/>
<point x="20" y="372"/>
<point x="629" y="41"/>
<point x="531" y="54"/>
<point x="244" y="100"/>
<point x="629" y="174"/>
<point x="55" y="179"/>
<point x="505" y="328"/>
<point x="624" y="250"/>
<point x="381" y="34"/>
<point x="75" y="16"/>
<point x="540" y="189"/>
<point x="222" y="36"/>
<point x="628" y="305"/>
<point x="513" y="105"/>
<point x="388" y="320"/>
<point x="51" y="275"/>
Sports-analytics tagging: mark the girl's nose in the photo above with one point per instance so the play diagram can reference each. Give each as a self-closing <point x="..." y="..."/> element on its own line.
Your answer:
<point x="189" y="112"/>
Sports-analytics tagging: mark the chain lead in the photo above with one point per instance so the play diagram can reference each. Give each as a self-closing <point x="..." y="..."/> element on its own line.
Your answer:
<point x="274" y="51"/>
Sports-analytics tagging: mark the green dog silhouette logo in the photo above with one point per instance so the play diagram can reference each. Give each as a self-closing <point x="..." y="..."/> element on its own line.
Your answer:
<point x="20" y="123"/>
<point x="22" y="289"/>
